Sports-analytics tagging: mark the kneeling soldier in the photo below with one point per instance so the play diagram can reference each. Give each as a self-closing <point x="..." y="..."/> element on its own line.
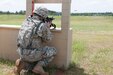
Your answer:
<point x="33" y="33"/>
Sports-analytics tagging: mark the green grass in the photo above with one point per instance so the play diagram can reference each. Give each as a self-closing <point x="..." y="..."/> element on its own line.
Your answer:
<point x="78" y="23"/>
<point x="92" y="23"/>
<point x="11" y="19"/>
<point x="92" y="48"/>
<point x="102" y="59"/>
<point x="79" y="48"/>
<point x="6" y="62"/>
<point x="6" y="66"/>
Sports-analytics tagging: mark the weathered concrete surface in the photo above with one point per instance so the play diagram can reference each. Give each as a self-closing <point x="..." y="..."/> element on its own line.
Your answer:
<point x="8" y="44"/>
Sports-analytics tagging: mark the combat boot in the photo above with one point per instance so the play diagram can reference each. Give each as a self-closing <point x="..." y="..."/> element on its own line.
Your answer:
<point x="19" y="65"/>
<point x="39" y="70"/>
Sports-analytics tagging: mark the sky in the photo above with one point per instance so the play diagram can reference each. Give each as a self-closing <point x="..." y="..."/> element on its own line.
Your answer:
<point x="77" y="6"/>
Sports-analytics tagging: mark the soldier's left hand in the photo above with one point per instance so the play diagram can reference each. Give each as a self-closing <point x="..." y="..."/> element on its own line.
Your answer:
<point x="48" y="24"/>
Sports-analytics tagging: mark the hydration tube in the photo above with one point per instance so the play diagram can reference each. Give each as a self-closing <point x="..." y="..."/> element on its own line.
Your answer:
<point x="32" y="6"/>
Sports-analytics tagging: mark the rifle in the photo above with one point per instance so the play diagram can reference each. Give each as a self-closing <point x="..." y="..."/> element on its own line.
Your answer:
<point x="50" y="19"/>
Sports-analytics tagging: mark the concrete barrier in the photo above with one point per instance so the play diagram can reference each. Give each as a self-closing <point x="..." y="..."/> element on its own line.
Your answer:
<point x="8" y="44"/>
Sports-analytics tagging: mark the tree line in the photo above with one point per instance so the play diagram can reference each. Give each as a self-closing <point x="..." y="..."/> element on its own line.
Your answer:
<point x="22" y="12"/>
<point x="93" y="14"/>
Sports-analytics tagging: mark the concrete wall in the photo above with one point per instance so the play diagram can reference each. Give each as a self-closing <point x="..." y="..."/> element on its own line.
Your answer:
<point x="8" y="36"/>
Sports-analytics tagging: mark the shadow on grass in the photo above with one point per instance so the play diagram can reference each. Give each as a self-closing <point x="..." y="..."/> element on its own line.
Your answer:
<point x="72" y="70"/>
<point x="53" y="70"/>
<point x="75" y="70"/>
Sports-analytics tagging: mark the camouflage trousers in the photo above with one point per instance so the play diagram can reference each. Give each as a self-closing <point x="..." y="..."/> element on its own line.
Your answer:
<point x="42" y="55"/>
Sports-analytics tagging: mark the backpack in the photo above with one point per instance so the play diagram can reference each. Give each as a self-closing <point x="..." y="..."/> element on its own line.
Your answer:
<point x="28" y="29"/>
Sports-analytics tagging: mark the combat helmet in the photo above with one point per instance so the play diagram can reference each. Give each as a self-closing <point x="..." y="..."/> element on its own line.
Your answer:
<point x="41" y="11"/>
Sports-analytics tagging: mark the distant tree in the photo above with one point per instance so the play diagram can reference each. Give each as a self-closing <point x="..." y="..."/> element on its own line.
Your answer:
<point x="21" y="12"/>
<point x="16" y="12"/>
<point x="1" y="12"/>
<point x="7" y="12"/>
<point x="93" y="14"/>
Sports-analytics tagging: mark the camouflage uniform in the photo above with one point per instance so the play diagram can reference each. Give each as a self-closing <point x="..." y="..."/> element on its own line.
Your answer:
<point x="30" y="40"/>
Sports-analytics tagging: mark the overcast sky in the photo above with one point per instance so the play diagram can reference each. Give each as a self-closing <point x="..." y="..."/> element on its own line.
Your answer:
<point x="76" y="5"/>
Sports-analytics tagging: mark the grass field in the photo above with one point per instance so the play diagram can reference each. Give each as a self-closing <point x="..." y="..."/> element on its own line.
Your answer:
<point x="92" y="43"/>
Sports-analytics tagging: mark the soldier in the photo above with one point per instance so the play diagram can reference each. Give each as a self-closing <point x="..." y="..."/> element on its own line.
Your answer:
<point x="33" y="33"/>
